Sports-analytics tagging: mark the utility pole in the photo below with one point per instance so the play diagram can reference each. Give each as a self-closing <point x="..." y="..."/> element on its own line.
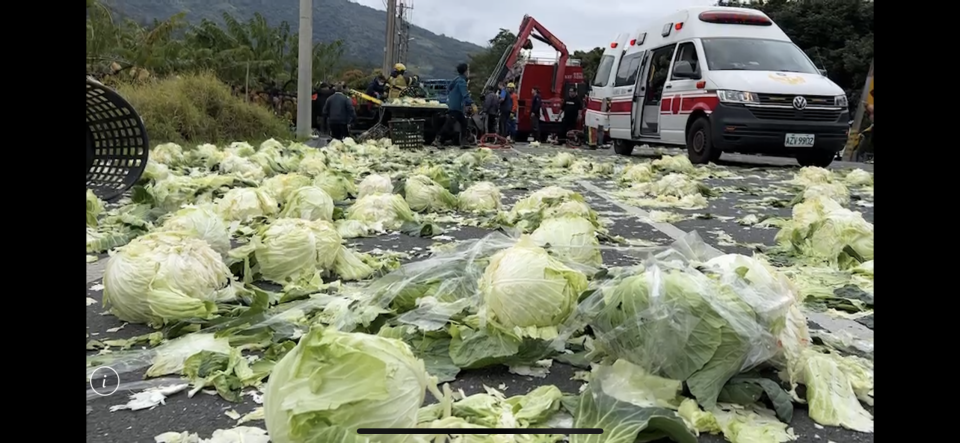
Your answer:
<point x="389" y="50"/>
<point x="305" y="70"/>
<point x="401" y="8"/>
<point x="403" y="34"/>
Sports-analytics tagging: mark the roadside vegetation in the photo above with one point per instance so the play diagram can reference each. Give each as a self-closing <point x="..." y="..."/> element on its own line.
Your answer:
<point x="199" y="108"/>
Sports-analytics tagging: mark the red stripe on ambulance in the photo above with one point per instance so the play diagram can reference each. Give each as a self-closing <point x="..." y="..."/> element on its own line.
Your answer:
<point x="621" y="107"/>
<point x="688" y="104"/>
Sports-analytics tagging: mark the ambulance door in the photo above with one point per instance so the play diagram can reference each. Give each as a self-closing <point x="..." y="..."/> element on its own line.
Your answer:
<point x="639" y="95"/>
<point x="597" y="115"/>
<point x="654" y="82"/>
<point x="622" y="103"/>
<point x="683" y="95"/>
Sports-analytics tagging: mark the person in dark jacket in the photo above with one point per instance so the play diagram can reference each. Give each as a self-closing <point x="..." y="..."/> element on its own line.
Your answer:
<point x="323" y="94"/>
<point x="458" y="100"/>
<point x="491" y="108"/>
<point x="339" y="113"/>
<point x="376" y="88"/>
<point x="536" y="106"/>
<point x="571" y="112"/>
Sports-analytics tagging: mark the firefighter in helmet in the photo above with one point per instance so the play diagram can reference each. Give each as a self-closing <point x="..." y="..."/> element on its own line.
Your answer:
<point x="397" y="81"/>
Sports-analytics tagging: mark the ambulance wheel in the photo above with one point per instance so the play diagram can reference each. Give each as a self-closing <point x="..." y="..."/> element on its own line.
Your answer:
<point x="700" y="144"/>
<point x="623" y="147"/>
<point x="815" y="157"/>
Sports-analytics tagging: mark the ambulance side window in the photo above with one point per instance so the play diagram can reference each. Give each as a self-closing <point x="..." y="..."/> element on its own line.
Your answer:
<point x="686" y="52"/>
<point x="627" y="74"/>
<point x="603" y="71"/>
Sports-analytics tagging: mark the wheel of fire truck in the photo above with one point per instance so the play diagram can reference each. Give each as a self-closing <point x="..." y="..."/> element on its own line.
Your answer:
<point x="623" y="147"/>
<point x="700" y="144"/>
<point x="815" y="157"/>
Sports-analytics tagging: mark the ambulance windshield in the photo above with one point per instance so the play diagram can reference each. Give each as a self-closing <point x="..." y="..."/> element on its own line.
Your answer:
<point x="748" y="54"/>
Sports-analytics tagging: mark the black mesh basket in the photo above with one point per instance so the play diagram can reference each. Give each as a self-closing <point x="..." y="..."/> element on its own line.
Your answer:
<point x="377" y="132"/>
<point x="117" y="145"/>
<point x="407" y="133"/>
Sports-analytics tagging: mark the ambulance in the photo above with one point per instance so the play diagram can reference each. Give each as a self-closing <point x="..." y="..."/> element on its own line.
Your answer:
<point x="716" y="79"/>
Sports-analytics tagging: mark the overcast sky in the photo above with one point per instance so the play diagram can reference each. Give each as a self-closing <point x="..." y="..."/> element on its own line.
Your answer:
<point x="580" y="24"/>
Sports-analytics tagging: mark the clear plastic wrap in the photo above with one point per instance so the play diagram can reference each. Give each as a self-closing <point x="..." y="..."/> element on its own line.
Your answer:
<point x="427" y="293"/>
<point x="688" y="314"/>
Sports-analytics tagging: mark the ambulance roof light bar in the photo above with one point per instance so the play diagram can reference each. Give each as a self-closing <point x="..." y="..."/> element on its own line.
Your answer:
<point x="734" y="18"/>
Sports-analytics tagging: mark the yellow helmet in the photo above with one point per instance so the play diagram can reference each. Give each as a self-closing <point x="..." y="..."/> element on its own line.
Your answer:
<point x="511" y="85"/>
<point x="399" y="67"/>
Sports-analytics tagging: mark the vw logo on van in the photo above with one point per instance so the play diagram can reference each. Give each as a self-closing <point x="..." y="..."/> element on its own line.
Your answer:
<point x="799" y="103"/>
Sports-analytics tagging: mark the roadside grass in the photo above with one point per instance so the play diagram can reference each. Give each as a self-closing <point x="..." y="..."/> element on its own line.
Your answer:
<point x="191" y="109"/>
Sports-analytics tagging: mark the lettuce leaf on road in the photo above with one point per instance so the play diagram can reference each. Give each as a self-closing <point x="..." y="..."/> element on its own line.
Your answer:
<point x="624" y="422"/>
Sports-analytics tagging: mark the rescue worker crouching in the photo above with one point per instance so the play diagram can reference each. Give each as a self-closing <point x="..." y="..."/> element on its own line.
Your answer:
<point x="458" y="101"/>
<point x="397" y="82"/>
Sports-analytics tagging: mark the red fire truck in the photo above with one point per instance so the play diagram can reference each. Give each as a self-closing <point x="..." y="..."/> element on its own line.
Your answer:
<point x="554" y="77"/>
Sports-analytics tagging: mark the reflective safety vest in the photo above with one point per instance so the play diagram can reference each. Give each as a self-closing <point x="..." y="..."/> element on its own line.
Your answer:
<point x="397" y="84"/>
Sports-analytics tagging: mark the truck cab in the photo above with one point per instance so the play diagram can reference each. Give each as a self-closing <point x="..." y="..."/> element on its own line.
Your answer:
<point x="718" y="79"/>
<point x="436" y="89"/>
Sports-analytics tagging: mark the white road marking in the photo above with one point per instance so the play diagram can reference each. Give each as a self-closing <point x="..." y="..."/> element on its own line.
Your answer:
<point x="644" y="216"/>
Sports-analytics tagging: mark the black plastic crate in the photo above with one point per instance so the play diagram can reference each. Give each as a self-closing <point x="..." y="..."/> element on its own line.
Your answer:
<point x="407" y="133"/>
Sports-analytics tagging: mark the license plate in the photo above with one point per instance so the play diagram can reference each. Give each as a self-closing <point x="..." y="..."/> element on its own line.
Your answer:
<point x="799" y="141"/>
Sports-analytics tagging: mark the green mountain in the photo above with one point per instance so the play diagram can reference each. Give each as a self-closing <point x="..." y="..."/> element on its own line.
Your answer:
<point x="360" y="27"/>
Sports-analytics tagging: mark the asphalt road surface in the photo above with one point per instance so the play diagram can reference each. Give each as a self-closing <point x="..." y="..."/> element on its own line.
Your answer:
<point x="759" y="178"/>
